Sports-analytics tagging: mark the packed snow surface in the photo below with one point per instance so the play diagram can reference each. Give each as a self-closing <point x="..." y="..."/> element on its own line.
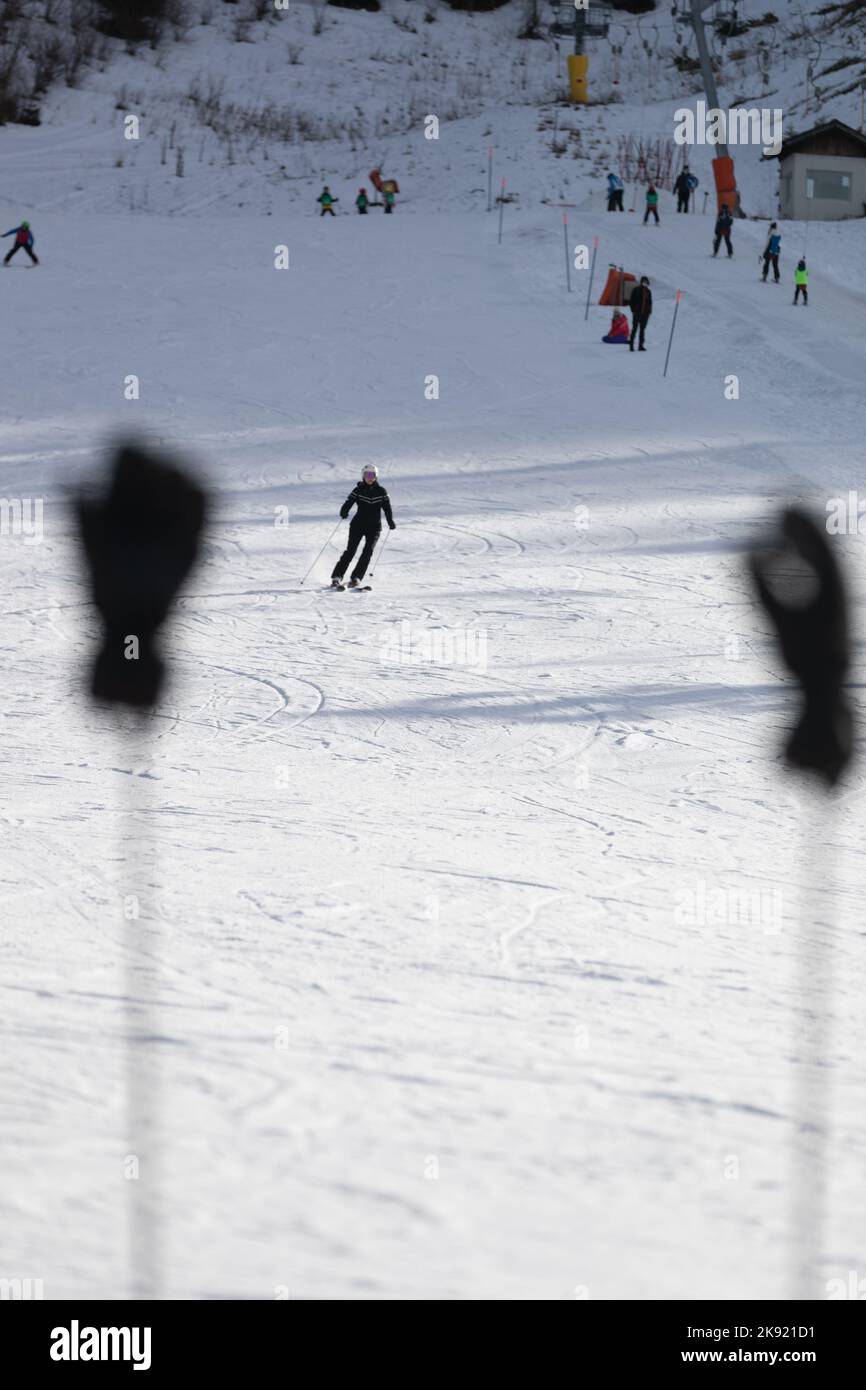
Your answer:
<point x="469" y="955"/>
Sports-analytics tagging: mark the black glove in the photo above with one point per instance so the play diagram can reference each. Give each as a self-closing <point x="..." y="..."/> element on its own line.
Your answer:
<point x="392" y="526"/>
<point x="343" y="514"/>
<point x="813" y="638"/>
<point x="140" y="540"/>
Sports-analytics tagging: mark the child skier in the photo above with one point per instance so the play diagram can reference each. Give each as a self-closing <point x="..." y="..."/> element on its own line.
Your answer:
<point x="724" y="223"/>
<point x="23" y="237"/>
<point x="370" y="499"/>
<point x="641" y="305"/>
<point x="327" y="201"/>
<point x="771" y="253"/>
<point x="801" y="280"/>
<point x="614" y="193"/>
<point x="361" y="201"/>
<point x="652" y="204"/>
<point x="618" y="329"/>
<point x="389" y="200"/>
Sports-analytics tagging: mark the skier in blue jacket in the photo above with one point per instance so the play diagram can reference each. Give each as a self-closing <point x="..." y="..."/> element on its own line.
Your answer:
<point x="23" y="237"/>
<point x="615" y="192"/>
<point x="771" y="252"/>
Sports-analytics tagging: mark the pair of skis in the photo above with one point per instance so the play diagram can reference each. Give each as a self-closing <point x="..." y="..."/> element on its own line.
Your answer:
<point x="356" y="588"/>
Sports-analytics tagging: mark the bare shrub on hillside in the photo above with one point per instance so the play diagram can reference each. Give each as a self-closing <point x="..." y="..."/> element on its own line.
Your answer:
<point x="181" y="15"/>
<point x="48" y="61"/>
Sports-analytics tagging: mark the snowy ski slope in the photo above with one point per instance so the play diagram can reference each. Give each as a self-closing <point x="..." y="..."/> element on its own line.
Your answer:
<point x="443" y="1009"/>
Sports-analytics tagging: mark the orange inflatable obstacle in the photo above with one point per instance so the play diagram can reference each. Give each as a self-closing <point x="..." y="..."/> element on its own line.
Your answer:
<point x="383" y="185"/>
<point x="619" y="286"/>
<point x="726" y="183"/>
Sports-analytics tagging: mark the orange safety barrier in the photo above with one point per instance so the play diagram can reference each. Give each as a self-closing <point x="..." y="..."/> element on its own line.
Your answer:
<point x="726" y="182"/>
<point x="619" y="286"/>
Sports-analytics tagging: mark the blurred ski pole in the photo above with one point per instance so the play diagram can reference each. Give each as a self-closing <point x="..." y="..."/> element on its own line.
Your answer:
<point x="140" y="539"/>
<point x="814" y="642"/>
<point x="591" y="277"/>
<point x="322" y="551"/>
<point x="671" y="338"/>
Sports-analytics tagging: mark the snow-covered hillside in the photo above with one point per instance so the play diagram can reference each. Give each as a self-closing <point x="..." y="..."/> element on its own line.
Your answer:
<point x="316" y="93"/>
<point x="472" y="910"/>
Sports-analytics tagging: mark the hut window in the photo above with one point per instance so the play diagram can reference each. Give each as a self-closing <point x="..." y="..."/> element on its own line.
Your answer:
<point x="829" y="183"/>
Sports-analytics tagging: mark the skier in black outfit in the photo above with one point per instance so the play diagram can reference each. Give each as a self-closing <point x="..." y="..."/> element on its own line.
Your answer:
<point x="724" y="223"/>
<point x="371" y="500"/>
<point x="641" y="305"/>
<point x="683" y="190"/>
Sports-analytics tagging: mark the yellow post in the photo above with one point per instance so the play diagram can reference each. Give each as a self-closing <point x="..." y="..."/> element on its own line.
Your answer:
<point x="578" y="76"/>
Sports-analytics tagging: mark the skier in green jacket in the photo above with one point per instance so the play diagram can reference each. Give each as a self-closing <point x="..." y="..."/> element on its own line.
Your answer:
<point x="652" y="204"/>
<point x="327" y="201"/>
<point x="801" y="280"/>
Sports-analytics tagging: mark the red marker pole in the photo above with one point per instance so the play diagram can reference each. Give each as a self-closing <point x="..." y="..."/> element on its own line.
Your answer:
<point x="490" y="178"/>
<point x="567" y="256"/>
<point x="591" y="277"/>
<point x="501" y="210"/>
<point x="671" y="338"/>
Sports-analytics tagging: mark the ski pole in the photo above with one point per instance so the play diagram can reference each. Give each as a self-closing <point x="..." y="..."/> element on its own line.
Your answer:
<point x="490" y="178"/>
<point x="567" y="258"/>
<point x="671" y="338"/>
<point x="381" y="552"/>
<point x="591" y="276"/>
<point x="321" y="552"/>
<point x="501" y="210"/>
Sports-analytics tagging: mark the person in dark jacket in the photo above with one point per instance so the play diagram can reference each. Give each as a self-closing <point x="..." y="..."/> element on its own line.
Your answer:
<point x="683" y="189"/>
<point x="371" y="500"/>
<point x="23" y="238"/>
<point x="724" y="223"/>
<point x="641" y="305"/>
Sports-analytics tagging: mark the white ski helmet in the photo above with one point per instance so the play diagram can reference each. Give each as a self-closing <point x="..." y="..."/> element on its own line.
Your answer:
<point x="369" y="473"/>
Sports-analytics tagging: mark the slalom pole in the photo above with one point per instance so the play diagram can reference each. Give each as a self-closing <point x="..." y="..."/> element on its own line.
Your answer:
<point x="591" y="277"/>
<point x="489" y="178"/>
<point x="814" y="645"/>
<point x="381" y="552"/>
<point x="321" y="552"/>
<point x="671" y="338"/>
<point x="501" y="210"/>
<point x="567" y="257"/>
<point x="135" y="566"/>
